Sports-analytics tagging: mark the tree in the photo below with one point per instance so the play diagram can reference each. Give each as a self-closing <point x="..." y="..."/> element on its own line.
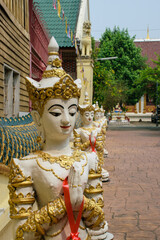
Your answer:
<point x="150" y="81"/>
<point x="117" y="80"/>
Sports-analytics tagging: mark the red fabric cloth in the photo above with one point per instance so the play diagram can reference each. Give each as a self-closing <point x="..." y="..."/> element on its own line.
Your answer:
<point x="92" y="145"/>
<point x="73" y="225"/>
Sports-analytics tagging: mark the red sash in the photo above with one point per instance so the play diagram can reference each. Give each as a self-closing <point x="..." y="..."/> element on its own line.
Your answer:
<point x="73" y="225"/>
<point x="92" y="146"/>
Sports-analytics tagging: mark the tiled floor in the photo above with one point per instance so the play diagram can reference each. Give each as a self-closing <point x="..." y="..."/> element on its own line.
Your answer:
<point x="132" y="197"/>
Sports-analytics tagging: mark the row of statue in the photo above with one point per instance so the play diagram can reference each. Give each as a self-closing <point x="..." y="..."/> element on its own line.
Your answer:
<point x="56" y="192"/>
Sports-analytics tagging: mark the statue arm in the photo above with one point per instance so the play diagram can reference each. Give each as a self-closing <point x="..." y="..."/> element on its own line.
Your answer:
<point x="41" y="219"/>
<point x="21" y="193"/>
<point x="78" y="143"/>
<point x="30" y="224"/>
<point x="93" y="215"/>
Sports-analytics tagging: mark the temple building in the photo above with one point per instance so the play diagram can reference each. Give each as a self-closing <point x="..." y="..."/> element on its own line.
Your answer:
<point x="23" y="52"/>
<point x="143" y="110"/>
<point x="14" y="57"/>
<point x="69" y="22"/>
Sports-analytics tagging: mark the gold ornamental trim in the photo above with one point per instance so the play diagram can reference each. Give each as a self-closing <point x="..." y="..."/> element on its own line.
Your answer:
<point x="88" y="108"/>
<point x="63" y="160"/>
<point x="22" y="184"/>
<point x="94" y="176"/>
<point x="23" y="200"/>
<point x="91" y="189"/>
<point x="100" y="204"/>
<point x="65" y="89"/>
<point x="20" y="216"/>
<point x="54" y="73"/>
<point x="53" y="53"/>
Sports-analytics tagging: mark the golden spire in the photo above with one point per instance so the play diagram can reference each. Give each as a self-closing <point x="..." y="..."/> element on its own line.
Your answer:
<point x="148" y="33"/>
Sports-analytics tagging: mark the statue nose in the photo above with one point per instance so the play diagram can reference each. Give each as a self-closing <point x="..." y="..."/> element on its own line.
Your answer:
<point x="65" y="122"/>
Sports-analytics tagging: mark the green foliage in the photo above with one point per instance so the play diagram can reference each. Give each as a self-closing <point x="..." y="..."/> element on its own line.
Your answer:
<point x="117" y="80"/>
<point x="150" y="81"/>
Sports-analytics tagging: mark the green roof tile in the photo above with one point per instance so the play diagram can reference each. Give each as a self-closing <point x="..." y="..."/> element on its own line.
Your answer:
<point x="57" y="26"/>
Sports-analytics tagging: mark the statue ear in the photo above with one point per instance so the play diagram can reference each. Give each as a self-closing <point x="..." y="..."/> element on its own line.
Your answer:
<point x="36" y="118"/>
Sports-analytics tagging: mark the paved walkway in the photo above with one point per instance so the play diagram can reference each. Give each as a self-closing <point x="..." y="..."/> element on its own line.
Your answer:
<point x="132" y="197"/>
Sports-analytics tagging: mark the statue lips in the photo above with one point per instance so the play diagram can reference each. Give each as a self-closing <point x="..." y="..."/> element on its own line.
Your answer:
<point x="66" y="127"/>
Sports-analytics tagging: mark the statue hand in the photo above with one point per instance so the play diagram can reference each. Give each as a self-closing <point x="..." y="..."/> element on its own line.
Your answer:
<point x="93" y="138"/>
<point x="75" y="187"/>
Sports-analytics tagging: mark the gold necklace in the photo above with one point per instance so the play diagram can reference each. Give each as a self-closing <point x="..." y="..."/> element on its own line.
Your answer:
<point x="89" y="129"/>
<point x="62" y="161"/>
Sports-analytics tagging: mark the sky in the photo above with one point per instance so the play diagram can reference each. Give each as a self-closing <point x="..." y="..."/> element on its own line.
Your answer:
<point x="134" y="15"/>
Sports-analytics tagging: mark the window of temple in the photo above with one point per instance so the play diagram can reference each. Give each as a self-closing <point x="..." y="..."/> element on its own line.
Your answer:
<point x="11" y="92"/>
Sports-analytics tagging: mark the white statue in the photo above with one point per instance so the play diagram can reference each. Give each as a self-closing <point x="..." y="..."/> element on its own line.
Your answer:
<point x="86" y="39"/>
<point x="90" y="137"/>
<point x="47" y="188"/>
<point x="101" y="123"/>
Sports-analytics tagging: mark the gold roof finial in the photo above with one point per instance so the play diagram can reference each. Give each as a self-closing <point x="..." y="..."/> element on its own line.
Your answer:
<point x="148" y="33"/>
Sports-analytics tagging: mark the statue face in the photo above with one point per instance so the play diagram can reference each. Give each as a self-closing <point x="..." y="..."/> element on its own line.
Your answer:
<point x="58" y="118"/>
<point x="102" y="114"/>
<point x="97" y="116"/>
<point x="87" y="117"/>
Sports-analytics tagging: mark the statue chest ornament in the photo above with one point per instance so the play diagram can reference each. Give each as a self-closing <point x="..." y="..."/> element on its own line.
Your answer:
<point x="51" y="172"/>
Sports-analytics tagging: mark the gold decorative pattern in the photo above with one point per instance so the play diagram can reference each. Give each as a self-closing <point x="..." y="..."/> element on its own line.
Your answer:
<point x="53" y="53"/>
<point x="65" y="89"/>
<point x="49" y="214"/>
<point x="99" y="202"/>
<point x="64" y="161"/>
<point x="54" y="73"/>
<point x="21" y="214"/>
<point x="92" y="190"/>
<point x="56" y="63"/>
<point x="93" y="213"/>
<point x="18" y="180"/>
<point x="94" y="175"/>
<point x="88" y="108"/>
<point x="16" y="174"/>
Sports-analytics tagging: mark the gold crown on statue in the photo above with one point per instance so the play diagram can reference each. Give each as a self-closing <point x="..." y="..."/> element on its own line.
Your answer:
<point x="87" y="106"/>
<point x="96" y="107"/>
<point x="55" y="83"/>
<point x="102" y="110"/>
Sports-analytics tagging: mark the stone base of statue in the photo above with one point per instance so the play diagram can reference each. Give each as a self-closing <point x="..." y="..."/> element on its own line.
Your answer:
<point x="105" y="154"/>
<point x="105" y="175"/>
<point x="103" y="236"/>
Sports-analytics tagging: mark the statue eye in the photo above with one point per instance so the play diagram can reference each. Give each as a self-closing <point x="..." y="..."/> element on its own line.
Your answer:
<point x="55" y="114"/>
<point x="72" y="114"/>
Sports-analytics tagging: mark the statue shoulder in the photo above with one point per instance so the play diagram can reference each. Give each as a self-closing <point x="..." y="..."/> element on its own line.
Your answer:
<point x="77" y="131"/>
<point x="21" y="167"/>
